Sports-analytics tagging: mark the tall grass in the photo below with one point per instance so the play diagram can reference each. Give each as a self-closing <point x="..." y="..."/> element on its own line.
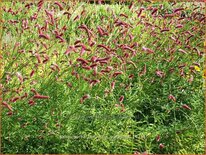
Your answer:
<point x="87" y="78"/>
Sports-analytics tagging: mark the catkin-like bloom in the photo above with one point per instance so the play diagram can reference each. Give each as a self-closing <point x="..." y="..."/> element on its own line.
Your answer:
<point x="41" y="97"/>
<point x="185" y="106"/>
<point x="121" y="99"/>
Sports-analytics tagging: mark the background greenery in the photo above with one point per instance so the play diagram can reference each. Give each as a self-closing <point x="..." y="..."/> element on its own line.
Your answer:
<point x="61" y="124"/>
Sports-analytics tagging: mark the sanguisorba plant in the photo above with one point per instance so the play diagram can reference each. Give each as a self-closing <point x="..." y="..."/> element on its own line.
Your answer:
<point x="106" y="78"/>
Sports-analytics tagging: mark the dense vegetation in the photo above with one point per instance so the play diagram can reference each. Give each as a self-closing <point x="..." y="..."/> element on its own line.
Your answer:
<point x="88" y="78"/>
